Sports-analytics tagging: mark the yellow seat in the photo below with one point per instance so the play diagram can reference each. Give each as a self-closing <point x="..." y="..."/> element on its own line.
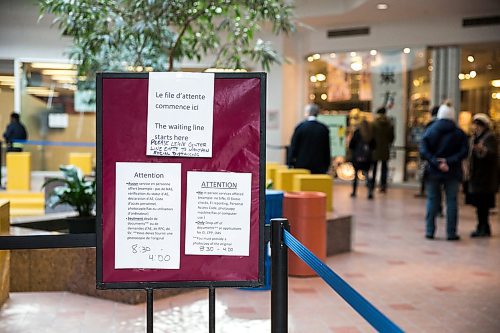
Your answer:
<point x="284" y="178"/>
<point x="315" y="183"/>
<point x="18" y="171"/>
<point x="271" y="168"/>
<point x="83" y="161"/>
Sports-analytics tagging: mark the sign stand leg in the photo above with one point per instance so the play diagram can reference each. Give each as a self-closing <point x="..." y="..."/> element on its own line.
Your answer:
<point x="149" y="310"/>
<point x="211" y="309"/>
<point x="279" y="276"/>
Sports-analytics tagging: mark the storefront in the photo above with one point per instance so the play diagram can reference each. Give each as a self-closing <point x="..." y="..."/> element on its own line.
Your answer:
<point x="405" y="81"/>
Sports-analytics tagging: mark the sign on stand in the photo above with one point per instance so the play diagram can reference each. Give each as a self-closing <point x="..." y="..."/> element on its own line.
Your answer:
<point x="180" y="177"/>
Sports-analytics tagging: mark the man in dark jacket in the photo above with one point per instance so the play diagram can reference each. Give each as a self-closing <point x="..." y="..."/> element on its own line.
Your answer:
<point x="383" y="133"/>
<point x="15" y="131"/>
<point x="444" y="146"/>
<point x="310" y="146"/>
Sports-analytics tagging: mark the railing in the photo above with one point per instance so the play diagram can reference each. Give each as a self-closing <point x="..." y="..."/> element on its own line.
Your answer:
<point x="281" y="240"/>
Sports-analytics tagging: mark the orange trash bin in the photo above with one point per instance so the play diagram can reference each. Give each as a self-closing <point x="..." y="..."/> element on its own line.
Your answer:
<point x="306" y="213"/>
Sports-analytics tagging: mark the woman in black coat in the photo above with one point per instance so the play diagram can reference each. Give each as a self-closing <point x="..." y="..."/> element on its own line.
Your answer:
<point x="483" y="172"/>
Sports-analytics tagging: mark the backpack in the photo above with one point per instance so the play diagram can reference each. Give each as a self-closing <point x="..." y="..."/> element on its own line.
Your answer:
<point x="362" y="153"/>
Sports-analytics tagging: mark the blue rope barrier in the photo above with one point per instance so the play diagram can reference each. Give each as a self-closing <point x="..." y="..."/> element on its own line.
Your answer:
<point x="372" y="315"/>
<point x="56" y="143"/>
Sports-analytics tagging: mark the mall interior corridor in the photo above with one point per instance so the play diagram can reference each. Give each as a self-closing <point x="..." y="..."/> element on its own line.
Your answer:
<point x="422" y="285"/>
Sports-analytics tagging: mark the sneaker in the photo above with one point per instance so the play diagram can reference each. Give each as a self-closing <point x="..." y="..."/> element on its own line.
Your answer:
<point x="453" y="238"/>
<point x="370" y="196"/>
<point x="429" y="236"/>
<point x="353" y="195"/>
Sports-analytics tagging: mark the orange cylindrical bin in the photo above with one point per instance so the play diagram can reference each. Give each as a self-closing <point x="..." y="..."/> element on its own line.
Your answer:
<point x="306" y="213"/>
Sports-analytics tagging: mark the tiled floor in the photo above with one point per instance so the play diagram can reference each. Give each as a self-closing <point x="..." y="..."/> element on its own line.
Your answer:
<point x="422" y="285"/>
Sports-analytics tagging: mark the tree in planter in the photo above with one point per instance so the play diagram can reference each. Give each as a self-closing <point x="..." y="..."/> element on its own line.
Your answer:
<point x="154" y="34"/>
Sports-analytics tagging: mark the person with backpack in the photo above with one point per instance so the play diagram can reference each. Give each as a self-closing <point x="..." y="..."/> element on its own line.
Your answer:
<point x="361" y="148"/>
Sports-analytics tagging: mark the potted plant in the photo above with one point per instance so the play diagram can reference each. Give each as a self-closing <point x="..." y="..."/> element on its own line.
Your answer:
<point x="77" y="192"/>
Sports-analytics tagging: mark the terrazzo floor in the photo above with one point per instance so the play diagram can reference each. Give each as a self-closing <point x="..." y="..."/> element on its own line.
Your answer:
<point x="422" y="285"/>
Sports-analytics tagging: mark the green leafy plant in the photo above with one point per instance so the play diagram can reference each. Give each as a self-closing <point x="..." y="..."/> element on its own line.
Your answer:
<point x="75" y="191"/>
<point x="142" y="35"/>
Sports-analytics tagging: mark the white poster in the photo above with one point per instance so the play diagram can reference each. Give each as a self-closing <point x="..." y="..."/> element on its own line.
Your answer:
<point x="218" y="213"/>
<point x="147" y="215"/>
<point x="180" y="114"/>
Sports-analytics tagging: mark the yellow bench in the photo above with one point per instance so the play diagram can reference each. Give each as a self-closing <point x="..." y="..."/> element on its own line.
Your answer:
<point x="18" y="171"/>
<point x="284" y="178"/>
<point x="271" y="168"/>
<point x="315" y="183"/>
<point x="4" y="254"/>
<point x="83" y="161"/>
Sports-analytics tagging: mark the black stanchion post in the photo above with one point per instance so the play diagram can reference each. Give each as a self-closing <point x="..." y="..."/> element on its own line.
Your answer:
<point x="211" y="310"/>
<point x="279" y="277"/>
<point x="149" y="310"/>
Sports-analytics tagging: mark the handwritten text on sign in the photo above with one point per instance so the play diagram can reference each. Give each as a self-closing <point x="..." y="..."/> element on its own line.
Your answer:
<point x="180" y="114"/>
<point x="147" y="217"/>
<point x="218" y="213"/>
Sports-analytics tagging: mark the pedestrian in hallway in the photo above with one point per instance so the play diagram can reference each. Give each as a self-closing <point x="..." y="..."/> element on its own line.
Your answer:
<point x="15" y="131"/>
<point x="423" y="163"/>
<point x="482" y="172"/>
<point x="443" y="146"/>
<point x="310" y="144"/>
<point x="383" y="133"/>
<point x="361" y="149"/>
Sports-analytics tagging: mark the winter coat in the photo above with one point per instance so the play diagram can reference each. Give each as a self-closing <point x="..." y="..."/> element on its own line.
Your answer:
<point x="483" y="168"/>
<point x="310" y="147"/>
<point x="443" y="139"/>
<point x="383" y="133"/>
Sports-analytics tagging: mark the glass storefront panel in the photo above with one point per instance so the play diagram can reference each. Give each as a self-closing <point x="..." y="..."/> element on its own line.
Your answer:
<point x="357" y="83"/>
<point x="59" y="119"/>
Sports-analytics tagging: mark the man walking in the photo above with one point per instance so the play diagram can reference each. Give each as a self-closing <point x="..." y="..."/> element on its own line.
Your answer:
<point x="310" y="146"/>
<point x="15" y="131"/>
<point x="383" y="133"/>
<point x="444" y="146"/>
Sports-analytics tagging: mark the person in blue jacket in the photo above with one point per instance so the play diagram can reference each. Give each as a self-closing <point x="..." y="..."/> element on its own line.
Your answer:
<point x="444" y="146"/>
<point x="15" y="131"/>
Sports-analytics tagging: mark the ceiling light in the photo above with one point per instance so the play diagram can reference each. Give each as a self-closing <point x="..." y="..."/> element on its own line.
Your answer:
<point x="382" y="6"/>
<point x="310" y="59"/>
<point x="461" y="76"/>
<point x="316" y="56"/>
<point x="313" y="78"/>
<point x="321" y="77"/>
<point x="373" y="52"/>
<point x="489" y="67"/>
<point x="353" y="54"/>
<point x="467" y="76"/>
<point x="59" y="72"/>
<point x="406" y="50"/>
<point x="7" y="78"/>
<point x="52" y="65"/>
<point x="430" y="68"/>
<point x="470" y="58"/>
<point x="312" y="97"/>
<point x="356" y="66"/>
<point x="323" y="97"/>
<point x="472" y="74"/>
<point x="333" y="55"/>
<point x="495" y="83"/>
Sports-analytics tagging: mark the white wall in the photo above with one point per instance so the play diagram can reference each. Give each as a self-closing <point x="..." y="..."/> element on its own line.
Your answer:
<point x="22" y="37"/>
